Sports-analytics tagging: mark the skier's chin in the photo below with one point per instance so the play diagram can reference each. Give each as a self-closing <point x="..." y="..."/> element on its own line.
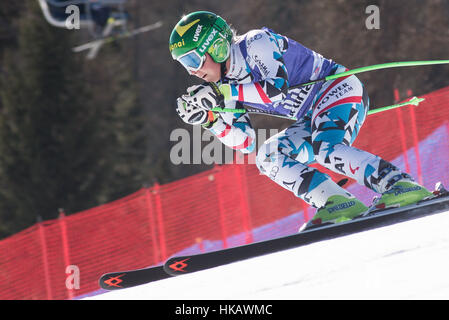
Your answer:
<point x="211" y="78"/>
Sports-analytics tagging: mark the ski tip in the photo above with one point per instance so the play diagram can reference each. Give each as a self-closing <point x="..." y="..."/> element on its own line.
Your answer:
<point x="177" y="265"/>
<point x="440" y="189"/>
<point x="110" y="281"/>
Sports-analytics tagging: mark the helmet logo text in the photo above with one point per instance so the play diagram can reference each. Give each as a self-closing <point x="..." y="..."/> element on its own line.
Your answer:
<point x="178" y="44"/>
<point x="208" y="40"/>
<point x="197" y="32"/>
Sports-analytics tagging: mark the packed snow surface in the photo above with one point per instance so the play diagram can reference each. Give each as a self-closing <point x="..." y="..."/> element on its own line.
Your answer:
<point x="408" y="260"/>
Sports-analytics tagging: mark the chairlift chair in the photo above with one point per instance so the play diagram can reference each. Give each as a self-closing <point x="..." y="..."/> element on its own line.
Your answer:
<point x="101" y="17"/>
<point x="94" y="14"/>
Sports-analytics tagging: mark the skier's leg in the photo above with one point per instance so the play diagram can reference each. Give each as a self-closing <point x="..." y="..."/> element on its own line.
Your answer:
<point x="284" y="158"/>
<point x="340" y="110"/>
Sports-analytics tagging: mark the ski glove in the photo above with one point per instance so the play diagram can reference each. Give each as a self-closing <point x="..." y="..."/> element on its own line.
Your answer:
<point x="206" y="96"/>
<point x="194" y="115"/>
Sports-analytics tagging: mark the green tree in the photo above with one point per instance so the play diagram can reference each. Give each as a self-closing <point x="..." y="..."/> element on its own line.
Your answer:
<point x="51" y="145"/>
<point x="122" y="123"/>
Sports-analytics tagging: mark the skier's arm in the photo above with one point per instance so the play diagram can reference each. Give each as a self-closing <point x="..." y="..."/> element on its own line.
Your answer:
<point x="265" y="55"/>
<point x="234" y="130"/>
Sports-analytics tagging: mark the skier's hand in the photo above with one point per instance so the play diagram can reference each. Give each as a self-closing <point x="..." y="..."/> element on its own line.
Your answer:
<point x="206" y="96"/>
<point x="194" y="115"/>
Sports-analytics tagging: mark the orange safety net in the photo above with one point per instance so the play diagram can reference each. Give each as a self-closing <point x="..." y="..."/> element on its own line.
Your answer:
<point x="221" y="207"/>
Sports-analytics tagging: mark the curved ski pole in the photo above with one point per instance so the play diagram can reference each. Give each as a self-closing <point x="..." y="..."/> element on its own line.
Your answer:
<point x="351" y="72"/>
<point x="372" y="68"/>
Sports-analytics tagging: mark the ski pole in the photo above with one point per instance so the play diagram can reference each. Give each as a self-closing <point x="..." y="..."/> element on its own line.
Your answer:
<point x="356" y="71"/>
<point x="413" y="101"/>
<point x="372" y="68"/>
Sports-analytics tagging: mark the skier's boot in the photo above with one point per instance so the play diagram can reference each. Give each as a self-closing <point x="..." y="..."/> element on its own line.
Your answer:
<point x="337" y="209"/>
<point x="340" y="206"/>
<point x="402" y="193"/>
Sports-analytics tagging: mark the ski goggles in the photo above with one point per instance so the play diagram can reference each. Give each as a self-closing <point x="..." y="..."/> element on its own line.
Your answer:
<point x="192" y="61"/>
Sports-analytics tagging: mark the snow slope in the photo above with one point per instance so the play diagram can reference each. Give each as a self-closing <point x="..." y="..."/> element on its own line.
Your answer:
<point x="409" y="260"/>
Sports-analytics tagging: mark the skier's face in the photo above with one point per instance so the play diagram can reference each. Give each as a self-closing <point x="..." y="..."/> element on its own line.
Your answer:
<point x="210" y="71"/>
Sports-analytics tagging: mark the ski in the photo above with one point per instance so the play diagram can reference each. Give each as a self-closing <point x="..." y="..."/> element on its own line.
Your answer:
<point x="179" y="265"/>
<point x="131" y="278"/>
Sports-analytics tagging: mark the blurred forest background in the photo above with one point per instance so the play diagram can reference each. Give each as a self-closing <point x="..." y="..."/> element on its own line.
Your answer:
<point x="77" y="133"/>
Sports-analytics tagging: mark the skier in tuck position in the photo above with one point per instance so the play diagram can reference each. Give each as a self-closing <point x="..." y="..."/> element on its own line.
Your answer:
<point x="258" y="69"/>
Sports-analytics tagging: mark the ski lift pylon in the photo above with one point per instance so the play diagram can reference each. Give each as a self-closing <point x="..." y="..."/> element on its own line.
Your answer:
<point x="95" y="45"/>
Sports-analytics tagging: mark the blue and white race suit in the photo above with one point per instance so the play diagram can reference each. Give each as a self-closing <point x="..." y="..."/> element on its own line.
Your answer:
<point x="264" y="66"/>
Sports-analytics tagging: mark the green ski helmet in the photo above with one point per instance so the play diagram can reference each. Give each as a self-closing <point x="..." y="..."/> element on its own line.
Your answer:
<point x="197" y="33"/>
